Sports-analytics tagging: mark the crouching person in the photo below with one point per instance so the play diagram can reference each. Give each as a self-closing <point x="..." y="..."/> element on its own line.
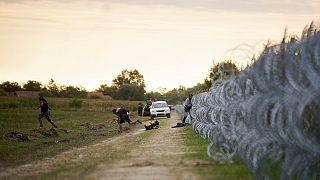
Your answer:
<point x="123" y="117"/>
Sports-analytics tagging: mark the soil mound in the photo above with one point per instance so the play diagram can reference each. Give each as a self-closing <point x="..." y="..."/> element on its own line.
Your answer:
<point x="90" y="126"/>
<point x="16" y="136"/>
<point x="43" y="132"/>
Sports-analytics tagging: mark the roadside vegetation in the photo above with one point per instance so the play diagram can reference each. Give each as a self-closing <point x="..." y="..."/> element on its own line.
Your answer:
<point x="206" y="167"/>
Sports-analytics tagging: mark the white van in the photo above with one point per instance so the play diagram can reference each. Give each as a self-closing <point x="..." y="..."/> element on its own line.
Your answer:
<point x="160" y="109"/>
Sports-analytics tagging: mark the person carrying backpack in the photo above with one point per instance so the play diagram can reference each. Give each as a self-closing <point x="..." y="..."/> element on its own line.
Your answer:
<point x="44" y="107"/>
<point x="187" y="107"/>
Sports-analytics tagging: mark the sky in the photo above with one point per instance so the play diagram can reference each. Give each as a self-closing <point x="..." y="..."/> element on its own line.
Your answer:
<point x="170" y="42"/>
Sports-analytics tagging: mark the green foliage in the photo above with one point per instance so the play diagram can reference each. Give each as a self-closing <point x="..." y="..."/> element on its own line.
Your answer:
<point x="176" y="95"/>
<point x="106" y="90"/>
<point x="95" y="97"/>
<point x="220" y="71"/>
<point x="3" y="92"/>
<point x="128" y="77"/>
<point x="10" y="86"/>
<point x="154" y="95"/>
<point x="128" y="85"/>
<point x="52" y="88"/>
<point x="32" y="86"/>
<point x="11" y="103"/>
<point x="72" y="91"/>
<point x="76" y="103"/>
<point x="19" y="114"/>
<point x="272" y="168"/>
<point x="211" y="169"/>
<point x="130" y="92"/>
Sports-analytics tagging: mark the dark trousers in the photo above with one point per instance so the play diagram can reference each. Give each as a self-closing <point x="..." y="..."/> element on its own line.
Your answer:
<point x="185" y="117"/>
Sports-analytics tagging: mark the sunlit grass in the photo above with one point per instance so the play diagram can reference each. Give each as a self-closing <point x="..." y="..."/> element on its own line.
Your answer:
<point x="19" y="114"/>
<point x="209" y="169"/>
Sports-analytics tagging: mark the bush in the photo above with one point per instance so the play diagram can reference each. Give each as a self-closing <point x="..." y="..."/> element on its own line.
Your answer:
<point x="76" y="103"/>
<point x="95" y="97"/>
<point x="3" y="92"/>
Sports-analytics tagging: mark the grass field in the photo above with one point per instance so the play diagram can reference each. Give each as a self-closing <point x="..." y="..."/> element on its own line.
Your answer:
<point x="209" y="169"/>
<point x="80" y="121"/>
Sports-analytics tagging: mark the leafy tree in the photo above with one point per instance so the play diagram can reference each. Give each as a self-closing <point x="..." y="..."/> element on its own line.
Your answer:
<point x="130" y="92"/>
<point x="3" y="92"/>
<point x="106" y="90"/>
<point x="128" y="77"/>
<point x="221" y="71"/>
<point x="176" y="95"/>
<point x="53" y="88"/>
<point x="154" y="95"/>
<point x="10" y="86"/>
<point x="72" y="91"/>
<point x="129" y="85"/>
<point x="32" y="86"/>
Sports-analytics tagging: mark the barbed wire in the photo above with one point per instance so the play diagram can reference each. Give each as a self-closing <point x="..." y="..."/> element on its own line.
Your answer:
<point x="270" y="111"/>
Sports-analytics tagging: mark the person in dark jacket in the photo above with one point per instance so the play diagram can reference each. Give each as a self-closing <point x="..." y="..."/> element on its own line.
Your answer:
<point x="123" y="117"/>
<point x="44" y="107"/>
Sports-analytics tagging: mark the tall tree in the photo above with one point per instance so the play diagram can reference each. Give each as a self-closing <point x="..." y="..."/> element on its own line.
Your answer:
<point x="128" y="77"/>
<point x="221" y="71"/>
<point x="53" y="88"/>
<point x="10" y="86"/>
<point x="131" y="92"/>
<point x="32" y="86"/>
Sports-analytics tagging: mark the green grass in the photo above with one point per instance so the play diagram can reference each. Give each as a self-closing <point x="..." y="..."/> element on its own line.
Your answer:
<point x="208" y="168"/>
<point x="78" y="169"/>
<point x="19" y="114"/>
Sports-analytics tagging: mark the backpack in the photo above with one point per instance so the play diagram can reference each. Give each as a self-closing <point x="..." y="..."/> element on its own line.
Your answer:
<point x="152" y="125"/>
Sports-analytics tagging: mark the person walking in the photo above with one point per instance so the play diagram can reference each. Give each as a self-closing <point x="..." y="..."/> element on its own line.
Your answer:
<point x="44" y="107"/>
<point x="187" y="107"/>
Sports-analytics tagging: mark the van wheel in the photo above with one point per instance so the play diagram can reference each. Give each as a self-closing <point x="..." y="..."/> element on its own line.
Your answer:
<point x="168" y="116"/>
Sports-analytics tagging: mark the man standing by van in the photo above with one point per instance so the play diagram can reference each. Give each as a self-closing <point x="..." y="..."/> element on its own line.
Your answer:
<point x="187" y="107"/>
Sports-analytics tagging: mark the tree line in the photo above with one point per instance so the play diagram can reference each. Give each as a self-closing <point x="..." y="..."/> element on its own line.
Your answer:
<point x="219" y="71"/>
<point x="128" y="85"/>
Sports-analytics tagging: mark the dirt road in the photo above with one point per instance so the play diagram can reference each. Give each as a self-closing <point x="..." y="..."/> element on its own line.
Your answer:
<point x="157" y="157"/>
<point x="138" y="154"/>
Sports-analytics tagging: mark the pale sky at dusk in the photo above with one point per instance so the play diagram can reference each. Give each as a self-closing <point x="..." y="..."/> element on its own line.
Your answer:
<point x="171" y="42"/>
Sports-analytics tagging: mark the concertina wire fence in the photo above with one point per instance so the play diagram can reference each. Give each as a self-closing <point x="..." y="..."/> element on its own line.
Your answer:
<point x="270" y="111"/>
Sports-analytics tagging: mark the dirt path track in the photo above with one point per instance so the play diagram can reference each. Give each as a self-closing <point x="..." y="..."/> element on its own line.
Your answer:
<point x="158" y="157"/>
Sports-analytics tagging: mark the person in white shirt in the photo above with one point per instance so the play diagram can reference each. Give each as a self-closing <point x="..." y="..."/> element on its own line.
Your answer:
<point x="187" y="107"/>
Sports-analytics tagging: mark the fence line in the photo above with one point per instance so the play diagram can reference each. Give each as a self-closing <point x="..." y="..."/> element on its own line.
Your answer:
<point x="270" y="111"/>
